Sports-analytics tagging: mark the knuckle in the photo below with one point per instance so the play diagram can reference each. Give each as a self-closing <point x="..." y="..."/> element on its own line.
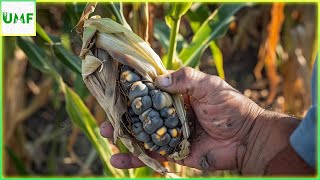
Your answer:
<point x="184" y="74"/>
<point x="187" y="71"/>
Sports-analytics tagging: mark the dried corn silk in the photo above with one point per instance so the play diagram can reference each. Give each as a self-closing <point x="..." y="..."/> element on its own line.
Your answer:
<point x="107" y="48"/>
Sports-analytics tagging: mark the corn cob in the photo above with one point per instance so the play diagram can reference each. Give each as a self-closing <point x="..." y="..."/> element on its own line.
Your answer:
<point x="119" y="68"/>
<point x="152" y="119"/>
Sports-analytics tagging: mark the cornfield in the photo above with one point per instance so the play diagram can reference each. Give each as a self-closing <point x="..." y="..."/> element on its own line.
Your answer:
<point x="51" y="120"/>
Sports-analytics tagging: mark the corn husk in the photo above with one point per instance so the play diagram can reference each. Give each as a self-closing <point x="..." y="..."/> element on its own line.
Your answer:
<point x="106" y="44"/>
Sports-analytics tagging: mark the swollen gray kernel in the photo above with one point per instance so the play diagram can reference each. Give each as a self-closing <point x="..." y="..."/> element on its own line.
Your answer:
<point x="151" y="125"/>
<point x="135" y="119"/>
<point x="154" y="148"/>
<point x="137" y="128"/>
<point x="161" y="140"/>
<point x="148" y="145"/>
<point x="131" y="112"/>
<point x="129" y="76"/>
<point x="149" y="113"/>
<point x="166" y="112"/>
<point x="140" y="104"/>
<point x="164" y="150"/>
<point x="174" y="142"/>
<point x="125" y="68"/>
<point x="143" y="136"/>
<point x="137" y="89"/>
<point x="150" y="86"/>
<point x="152" y="117"/>
<point x="160" y="99"/>
<point x="172" y="121"/>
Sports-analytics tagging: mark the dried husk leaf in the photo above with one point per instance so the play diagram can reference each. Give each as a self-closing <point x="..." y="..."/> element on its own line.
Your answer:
<point x="105" y="45"/>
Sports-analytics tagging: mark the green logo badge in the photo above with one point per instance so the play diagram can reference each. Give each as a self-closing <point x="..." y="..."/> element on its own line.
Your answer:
<point x="18" y="18"/>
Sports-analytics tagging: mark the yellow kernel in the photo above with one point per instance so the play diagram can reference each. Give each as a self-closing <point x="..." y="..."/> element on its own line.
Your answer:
<point x="173" y="132"/>
<point x="158" y="137"/>
<point x="162" y="152"/>
<point x="162" y="131"/>
<point x="146" y="146"/>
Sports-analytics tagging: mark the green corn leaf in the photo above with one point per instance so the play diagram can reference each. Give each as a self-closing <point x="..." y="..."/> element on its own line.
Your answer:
<point x="80" y="88"/>
<point x="73" y="14"/>
<point x="35" y="54"/>
<point x="196" y="16"/>
<point x="217" y="57"/>
<point x="143" y="172"/>
<point x="173" y="21"/>
<point x="52" y="158"/>
<point x="71" y="61"/>
<point x="19" y="165"/>
<point x="116" y="12"/>
<point x="162" y="34"/>
<point x="214" y="27"/>
<point x="43" y="34"/>
<point x="81" y="116"/>
<point x="177" y="10"/>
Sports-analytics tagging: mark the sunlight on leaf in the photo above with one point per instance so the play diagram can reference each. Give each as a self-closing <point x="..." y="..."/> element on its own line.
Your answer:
<point x="214" y="27"/>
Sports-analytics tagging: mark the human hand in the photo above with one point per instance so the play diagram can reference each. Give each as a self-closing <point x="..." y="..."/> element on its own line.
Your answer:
<point x="225" y="128"/>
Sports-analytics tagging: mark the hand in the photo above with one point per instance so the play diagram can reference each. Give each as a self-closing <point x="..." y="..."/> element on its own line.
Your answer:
<point x="225" y="120"/>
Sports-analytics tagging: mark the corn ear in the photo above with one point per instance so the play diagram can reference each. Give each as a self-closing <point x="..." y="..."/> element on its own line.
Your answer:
<point x="106" y="46"/>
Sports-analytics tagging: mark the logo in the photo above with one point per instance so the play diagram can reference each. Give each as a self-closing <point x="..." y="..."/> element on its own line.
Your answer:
<point x="18" y="18"/>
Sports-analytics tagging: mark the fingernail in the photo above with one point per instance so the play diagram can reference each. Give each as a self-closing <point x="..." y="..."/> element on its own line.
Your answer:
<point x="103" y="125"/>
<point x="164" y="80"/>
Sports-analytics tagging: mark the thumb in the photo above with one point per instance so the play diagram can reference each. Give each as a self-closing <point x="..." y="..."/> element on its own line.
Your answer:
<point x="184" y="81"/>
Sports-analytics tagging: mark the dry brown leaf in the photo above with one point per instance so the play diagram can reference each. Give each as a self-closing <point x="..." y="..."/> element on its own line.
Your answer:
<point x="267" y="52"/>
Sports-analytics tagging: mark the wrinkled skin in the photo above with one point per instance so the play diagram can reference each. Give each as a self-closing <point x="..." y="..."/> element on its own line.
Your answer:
<point x="223" y="118"/>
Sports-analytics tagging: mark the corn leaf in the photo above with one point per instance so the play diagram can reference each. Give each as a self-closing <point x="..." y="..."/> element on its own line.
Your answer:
<point x="35" y="54"/>
<point x="173" y="21"/>
<point x="18" y="163"/>
<point x="68" y="59"/>
<point x="117" y="10"/>
<point x="214" y="27"/>
<point x="81" y="116"/>
<point x="143" y="172"/>
<point x="217" y="57"/>
<point x="71" y="61"/>
<point x="162" y="34"/>
<point x="76" y="109"/>
<point x="73" y="13"/>
<point x="80" y="88"/>
<point x="176" y="12"/>
<point x="196" y="16"/>
<point x="43" y="34"/>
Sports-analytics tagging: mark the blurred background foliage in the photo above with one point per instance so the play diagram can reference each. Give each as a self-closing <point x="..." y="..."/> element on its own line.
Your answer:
<point x="51" y="124"/>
